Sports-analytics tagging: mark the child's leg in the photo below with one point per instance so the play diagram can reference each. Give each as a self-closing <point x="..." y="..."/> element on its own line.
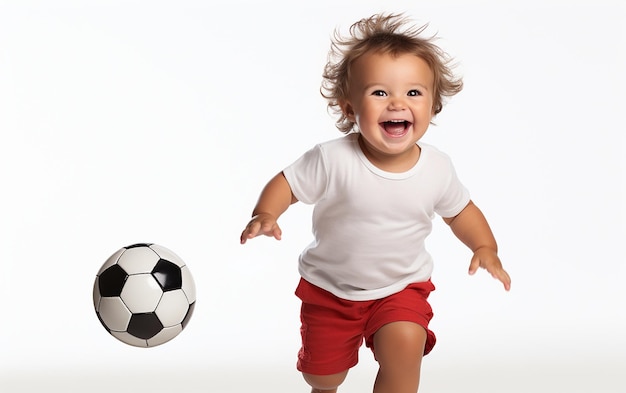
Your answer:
<point x="399" y="347"/>
<point x="332" y="333"/>
<point x="325" y="383"/>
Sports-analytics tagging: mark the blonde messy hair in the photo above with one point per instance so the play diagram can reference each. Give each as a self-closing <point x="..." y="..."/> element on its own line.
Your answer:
<point x="385" y="34"/>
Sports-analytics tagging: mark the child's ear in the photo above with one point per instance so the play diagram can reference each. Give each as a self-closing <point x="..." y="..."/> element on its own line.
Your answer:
<point x="347" y="110"/>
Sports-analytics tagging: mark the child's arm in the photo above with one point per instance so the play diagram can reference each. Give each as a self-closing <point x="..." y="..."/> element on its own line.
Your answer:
<point x="274" y="200"/>
<point x="471" y="227"/>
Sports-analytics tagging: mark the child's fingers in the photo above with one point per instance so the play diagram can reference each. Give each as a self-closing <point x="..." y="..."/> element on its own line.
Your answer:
<point x="493" y="267"/>
<point x="504" y="278"/>
<point x="501" y="275"/>
<point x="258" y="228"/>
<point x="474" y="265"/>
<point x="277" y="233"/>
<point x="247" y="233"/>
<point x="251" y="231"/>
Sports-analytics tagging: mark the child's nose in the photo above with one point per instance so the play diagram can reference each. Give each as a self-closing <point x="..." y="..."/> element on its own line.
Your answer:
<point x="396" y="104"/>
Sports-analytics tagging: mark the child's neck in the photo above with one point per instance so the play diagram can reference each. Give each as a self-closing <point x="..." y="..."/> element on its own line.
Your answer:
<point x="394" y="163"/>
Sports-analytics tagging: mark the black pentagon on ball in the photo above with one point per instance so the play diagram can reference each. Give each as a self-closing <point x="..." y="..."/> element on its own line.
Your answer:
<point x="144" y="326"/>
<point x="168" y="275"/>
<point x="111" y="281"/>
<point x="188" y="315"/>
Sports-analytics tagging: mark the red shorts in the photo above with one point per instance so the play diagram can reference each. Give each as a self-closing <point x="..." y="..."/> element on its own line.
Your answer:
<point x="333" y="329"/>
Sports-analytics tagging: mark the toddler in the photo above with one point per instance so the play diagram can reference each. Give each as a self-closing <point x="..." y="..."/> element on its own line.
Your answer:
<point x="375" y="190"/>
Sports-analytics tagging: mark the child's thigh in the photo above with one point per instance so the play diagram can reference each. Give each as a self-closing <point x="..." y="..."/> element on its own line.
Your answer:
<point x="332" y="332"/>
<point x="408" y="305"/>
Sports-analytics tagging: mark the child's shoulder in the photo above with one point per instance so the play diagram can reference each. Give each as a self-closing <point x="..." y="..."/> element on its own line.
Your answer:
<point x="433" y="155"/>
<point x="431" y="149"/>
<point x="346" y="140"/>
<point x="342" y="144"/>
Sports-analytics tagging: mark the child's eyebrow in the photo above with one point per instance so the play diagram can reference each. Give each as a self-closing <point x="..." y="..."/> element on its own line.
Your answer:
<point x="422" y="86"/>
<point x="410" y="86"/>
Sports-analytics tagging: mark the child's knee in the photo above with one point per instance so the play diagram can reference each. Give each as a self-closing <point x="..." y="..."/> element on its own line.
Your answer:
<point x="400" y="343"/>
<point x="325" y="382"/>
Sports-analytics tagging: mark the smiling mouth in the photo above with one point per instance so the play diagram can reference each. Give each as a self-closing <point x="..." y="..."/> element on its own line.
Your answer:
<point x="396" y="128"/>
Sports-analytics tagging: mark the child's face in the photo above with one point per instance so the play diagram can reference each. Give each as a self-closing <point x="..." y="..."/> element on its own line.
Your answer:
<point x="391" y="101"/>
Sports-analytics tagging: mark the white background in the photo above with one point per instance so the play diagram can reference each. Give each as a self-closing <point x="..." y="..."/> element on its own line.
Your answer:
<point x="160" y="121"/>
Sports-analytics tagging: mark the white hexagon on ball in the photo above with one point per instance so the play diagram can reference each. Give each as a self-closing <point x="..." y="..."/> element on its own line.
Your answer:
<point x="129" y="339"/>
<point x="165" y="335"/>
<point x="138" y="260"/>
<point x="172" y="308"/>
<point x="141" y="293"/>
<point x="189" y="286"/>
<point x="114" y="313"/>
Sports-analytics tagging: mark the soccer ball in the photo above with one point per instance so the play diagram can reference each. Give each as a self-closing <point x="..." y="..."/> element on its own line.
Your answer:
<point x="144" y="295"/>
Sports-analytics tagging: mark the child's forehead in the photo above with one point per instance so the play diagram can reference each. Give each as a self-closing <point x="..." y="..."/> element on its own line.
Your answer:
<point x="373" y="58"/>
<point x="375" y="54"/>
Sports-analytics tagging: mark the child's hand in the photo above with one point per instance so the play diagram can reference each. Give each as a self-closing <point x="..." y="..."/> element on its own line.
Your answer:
<point x="261" y="224"/>
<point x="488" y="259"/>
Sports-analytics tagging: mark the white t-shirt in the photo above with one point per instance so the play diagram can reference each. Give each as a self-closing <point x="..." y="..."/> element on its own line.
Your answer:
<point x="370" y="225"/>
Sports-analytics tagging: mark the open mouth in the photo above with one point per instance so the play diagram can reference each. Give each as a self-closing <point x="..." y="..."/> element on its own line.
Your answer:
<point x="396" y="128"/>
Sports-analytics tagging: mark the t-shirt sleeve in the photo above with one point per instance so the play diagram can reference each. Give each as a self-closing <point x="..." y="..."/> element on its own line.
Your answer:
<point x="454" y="197"/>
<point x="307" y="176"/>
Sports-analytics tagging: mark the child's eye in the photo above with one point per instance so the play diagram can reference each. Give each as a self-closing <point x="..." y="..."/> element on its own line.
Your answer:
<point x="414" y="93"/>
<point x="379" y="93"/>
